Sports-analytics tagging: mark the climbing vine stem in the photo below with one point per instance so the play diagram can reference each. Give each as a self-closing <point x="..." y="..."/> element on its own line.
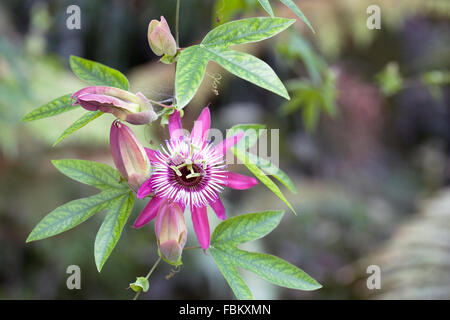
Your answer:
<point x="177" y="20"/>
<point x="148" y="276"/>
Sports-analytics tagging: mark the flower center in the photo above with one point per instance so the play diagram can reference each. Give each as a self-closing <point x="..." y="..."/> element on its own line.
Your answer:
<point x="187" y="173"/>
<point x="187" y="178"/>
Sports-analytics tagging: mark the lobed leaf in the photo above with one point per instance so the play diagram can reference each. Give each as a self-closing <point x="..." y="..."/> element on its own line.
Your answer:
<point x="270" y="268"/>
<point x="72" y="214"/>
<point x="96" y="174"/>
<point x="245" y="31"/>
<point x="53" y="108"/>
<point x="229" y="233"/>
<point x="192" y="61"/>
<point x="111" y="229"/>
<point x="98" y="74"/>
<point x="78" y="124"/>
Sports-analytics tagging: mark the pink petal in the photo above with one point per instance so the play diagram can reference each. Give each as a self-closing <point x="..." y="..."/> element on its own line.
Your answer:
<point x="151" y="154"/>
<point x="91" y="89"/>
<point x="102" y="99"/>
<point x="171" y="250"/>
<point x="142" y="117"/>
<point x="201" y="225"/>
<point x="181" y="205"/>
<point x="106" y="91"/>
<point x="163" y="41"/>
<point x="88" y="105"/>
<point x="149" y="212"/>
<point x="115" y="150"/>
<point x="162" y="211"/>
<point x="201" y="126"/>
<point x="129" y="155"/>
<point x="175" y="126"/>
<point x="164" y="24"/>
<point x="239" y="181"/>
<point x="226" y="144"/>
<point x="218" y="208"/>
<point x="145" y="189"/>
<point x="151" y="26"/>
<point x="106" y="104"/>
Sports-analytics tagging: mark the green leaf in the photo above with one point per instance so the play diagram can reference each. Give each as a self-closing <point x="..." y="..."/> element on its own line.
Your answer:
<point x="229" y="233"/>
<point x="291" y="5"/>
<point x="72" y="214"/>
<point x="313" y="62"/>
<point x="96" y="174"/>
<point x="53" y="108"/>
<point x="270" y="268"/>
<point x="310" y="115"/>
<point x="246" y="227"/>
<point x="266" y="5"/>
<point x="141" y="284"/>
<point x="245" y="31"/>
<point x="111" y="229"/>
<point x="273" y="170"/>
<point x="78" y="124"/>
<point x="191" y="64"/>
<point x="234" y="279"/>
<point x="243" y="156"/>
<point x="191" y="67"/>
<point x="248" y="68"/>
<point x="251" y="134"/>
<point x="192" y="61"/>
<point x="97" y="74"/>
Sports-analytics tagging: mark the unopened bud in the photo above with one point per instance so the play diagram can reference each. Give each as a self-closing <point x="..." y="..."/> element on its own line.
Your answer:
<point x="129" y="155"/>
<point x="160" y="39"/>
<point x="171" y="232"/>
<point x="124" y="105"/>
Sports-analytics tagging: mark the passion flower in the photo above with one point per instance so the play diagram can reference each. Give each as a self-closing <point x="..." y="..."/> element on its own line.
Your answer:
<point x="191" y="172"/>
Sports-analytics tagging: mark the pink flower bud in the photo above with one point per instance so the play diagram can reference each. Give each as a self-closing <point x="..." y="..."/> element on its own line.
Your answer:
<point x="126" y="106"/>
<point x="171" y="232"/>
<point x="129" y="155"/>
<point x="160" y="39"/>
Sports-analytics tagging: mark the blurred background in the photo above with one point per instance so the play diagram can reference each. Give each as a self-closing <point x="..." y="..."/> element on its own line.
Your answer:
<point x="365" y="138"/>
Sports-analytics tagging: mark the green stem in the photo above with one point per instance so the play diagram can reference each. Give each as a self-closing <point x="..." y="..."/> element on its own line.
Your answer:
<point x="177" y="19"/>
<point x="148" y="276"/>
<point x="177" y="39"/>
